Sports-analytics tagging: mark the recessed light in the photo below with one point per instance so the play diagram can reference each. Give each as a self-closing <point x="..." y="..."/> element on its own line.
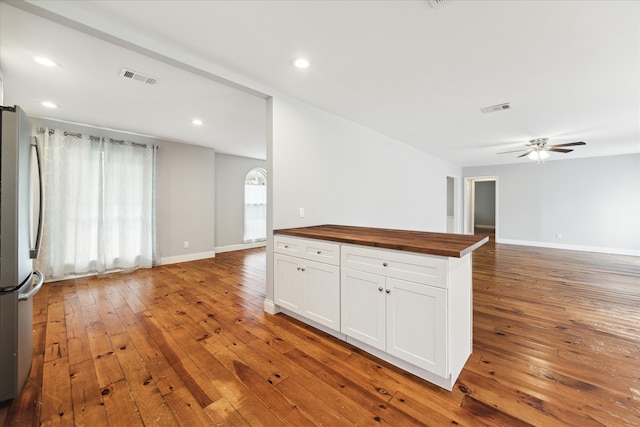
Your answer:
<point x="301" y="63"/>
<point x="197" y="122"/>
<point x="45" y="61"/>
<point x="49" y="104"/>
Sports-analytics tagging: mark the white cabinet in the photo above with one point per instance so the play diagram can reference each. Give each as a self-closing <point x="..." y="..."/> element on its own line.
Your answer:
<point x="417" y="324"/>
<point x="321" y="301"/>
<point x="363" y="314"/>
<point x="411" y="309"/>
<point x="403" y="304"/>
<point x="307" y="287"/>
<point x="313" y="250"/>
<point x="427" y="269"/>
<point x="405" y="319"/>
<point x="290" y="285"/>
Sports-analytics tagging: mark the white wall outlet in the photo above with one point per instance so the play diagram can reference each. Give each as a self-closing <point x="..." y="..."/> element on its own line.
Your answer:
<point x="186" y="244"/>
<point x="301" y="212"/>
<point x="558" y="236"/>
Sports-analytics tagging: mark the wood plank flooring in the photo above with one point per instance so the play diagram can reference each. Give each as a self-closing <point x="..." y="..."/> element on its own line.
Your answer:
<point x="556" y="343"/>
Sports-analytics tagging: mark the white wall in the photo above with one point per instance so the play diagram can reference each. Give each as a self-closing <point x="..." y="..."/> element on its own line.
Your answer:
<point x="231" y="172"/>
<point x="185" y="202"/>
<point x="593" y="203"/>
<point x="185" y="176"/>
<point x="344" y="173"/>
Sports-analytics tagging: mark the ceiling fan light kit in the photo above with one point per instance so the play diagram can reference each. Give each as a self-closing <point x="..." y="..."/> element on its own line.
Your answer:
<point x="539" y="150"/>
<point x="538" y="155"/>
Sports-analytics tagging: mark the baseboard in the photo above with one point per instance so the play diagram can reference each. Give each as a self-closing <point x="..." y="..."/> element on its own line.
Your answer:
<point x="582" y="248"/>
<point x="82" y="276"/>
<point x="270" y="307"/>
<point x="229" y="248"/>
<point x="187" y="257"/>
<point x="490" y="227"/>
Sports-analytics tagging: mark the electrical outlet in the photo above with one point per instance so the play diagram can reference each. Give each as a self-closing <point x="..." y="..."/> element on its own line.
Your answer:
<point x="558" y="236"/>
<point x="301" y="212"/>
<point x="186" y="244"/>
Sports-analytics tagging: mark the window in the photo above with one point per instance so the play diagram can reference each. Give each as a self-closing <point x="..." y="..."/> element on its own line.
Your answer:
<point x="255" y="206"/>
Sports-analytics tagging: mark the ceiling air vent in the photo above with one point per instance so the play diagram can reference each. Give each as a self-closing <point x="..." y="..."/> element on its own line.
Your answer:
<point x="436" y="3"/>
<point x="134" y="75"/>
<point x="498" y="107"/>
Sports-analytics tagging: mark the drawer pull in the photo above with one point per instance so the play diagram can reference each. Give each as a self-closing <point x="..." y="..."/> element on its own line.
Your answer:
<point x="384" y="264"/>
<point x="388" y="291"/>
<point x="380" y="289"/>
<point x="319" y="252"/>
<point x="286" y="246"/>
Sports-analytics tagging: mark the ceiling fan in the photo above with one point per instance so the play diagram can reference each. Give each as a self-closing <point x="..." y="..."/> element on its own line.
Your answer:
<point x="538" y="148"/>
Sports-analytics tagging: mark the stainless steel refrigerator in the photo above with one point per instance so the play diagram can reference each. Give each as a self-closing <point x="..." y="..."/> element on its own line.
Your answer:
<point x="20" y="195"/>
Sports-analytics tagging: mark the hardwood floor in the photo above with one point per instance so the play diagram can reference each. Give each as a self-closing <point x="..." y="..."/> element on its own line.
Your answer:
<point x="556" y="342"/>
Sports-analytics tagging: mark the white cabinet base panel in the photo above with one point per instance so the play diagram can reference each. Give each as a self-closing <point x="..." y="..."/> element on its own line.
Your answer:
<point x="316" y="325"/>
<point x="446" y="383"/>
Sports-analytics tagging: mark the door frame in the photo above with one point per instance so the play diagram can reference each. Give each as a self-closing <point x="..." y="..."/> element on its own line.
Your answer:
<point x="454" y="225"/>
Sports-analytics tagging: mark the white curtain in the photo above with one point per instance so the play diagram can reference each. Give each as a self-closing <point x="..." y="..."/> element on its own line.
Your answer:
<point x="99" y="205"/>
<point x="128" y="206"/>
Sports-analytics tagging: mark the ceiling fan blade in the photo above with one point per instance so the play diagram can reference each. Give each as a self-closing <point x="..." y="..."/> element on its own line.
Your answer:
<point x="559" y="150"/>
<point x="568" y="144"/>
<point x="526" y="154"/>
<point x="514" y="151"/>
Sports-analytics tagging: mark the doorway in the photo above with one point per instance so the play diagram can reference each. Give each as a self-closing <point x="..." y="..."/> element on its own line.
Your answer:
<point x="481" y="205"/>
<point x="255" y="206"/>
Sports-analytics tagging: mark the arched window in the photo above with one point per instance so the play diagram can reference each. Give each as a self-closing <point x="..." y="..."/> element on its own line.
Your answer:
<point x="255" y="206"/>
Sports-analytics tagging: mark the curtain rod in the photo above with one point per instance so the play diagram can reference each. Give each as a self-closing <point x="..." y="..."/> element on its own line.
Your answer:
<point x="98" y="138"/>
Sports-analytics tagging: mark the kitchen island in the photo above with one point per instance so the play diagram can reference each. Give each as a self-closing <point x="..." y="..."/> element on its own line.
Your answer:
<point x="403" y="296"/>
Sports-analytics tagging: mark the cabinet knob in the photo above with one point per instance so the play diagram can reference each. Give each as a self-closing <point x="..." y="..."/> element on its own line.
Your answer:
<point x="384" y="264"/>
<point x="380" y="289"/>
<point x="302" y="269"/>
<point x="319" y="252"/>
<point x="286" y="246"/>
<point x="388" y="291"/>
<point x="298" y="268"/>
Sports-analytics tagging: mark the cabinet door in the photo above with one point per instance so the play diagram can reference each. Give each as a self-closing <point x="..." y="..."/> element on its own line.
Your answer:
<point x="362" y="307"/>
<point x="289" y="282"/>
<point x="417" y="324"/>
<point x="322" y="294"/>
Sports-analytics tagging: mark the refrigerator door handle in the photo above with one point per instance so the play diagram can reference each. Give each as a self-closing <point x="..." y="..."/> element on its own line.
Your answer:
<point x="34" y="290"/>
<point x="34" y="252"/>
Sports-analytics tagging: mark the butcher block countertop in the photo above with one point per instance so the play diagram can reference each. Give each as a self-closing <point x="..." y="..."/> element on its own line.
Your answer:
<point x="443" y="244"/>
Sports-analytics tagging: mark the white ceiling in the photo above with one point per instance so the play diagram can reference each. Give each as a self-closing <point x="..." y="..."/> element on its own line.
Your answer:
<point x="571" y="70"/>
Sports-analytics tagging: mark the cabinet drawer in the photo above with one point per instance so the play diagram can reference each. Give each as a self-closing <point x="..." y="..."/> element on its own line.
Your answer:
<point x="322" y="251"/>
<point x="288" y="245"/>
<point x="425" y="269"/>
<point x="314" y="250"/>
